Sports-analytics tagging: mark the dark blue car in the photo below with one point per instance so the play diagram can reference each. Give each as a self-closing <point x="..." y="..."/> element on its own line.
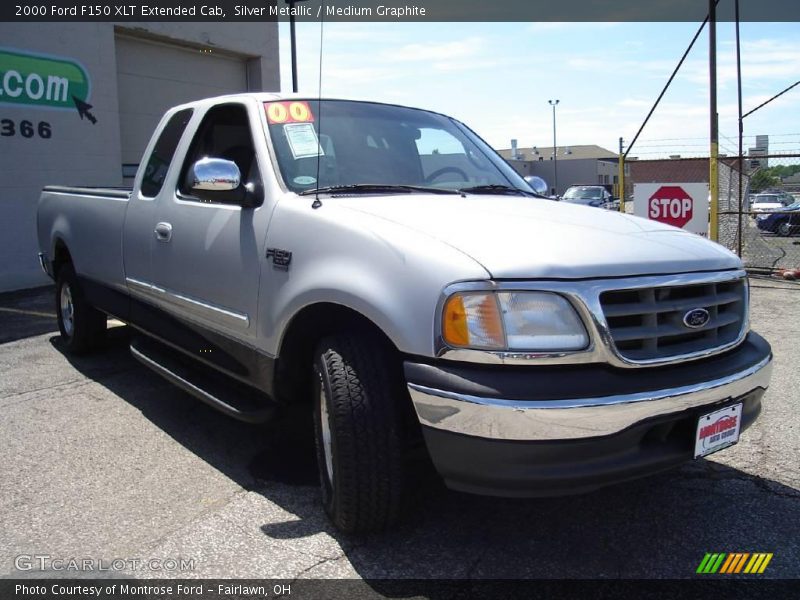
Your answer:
<point x="785" y="222"/>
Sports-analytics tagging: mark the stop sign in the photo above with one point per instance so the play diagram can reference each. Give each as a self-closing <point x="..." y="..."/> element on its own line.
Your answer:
<point x="671" y="205"/>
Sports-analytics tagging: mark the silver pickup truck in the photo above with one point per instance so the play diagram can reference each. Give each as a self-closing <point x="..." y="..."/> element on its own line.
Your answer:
<point x="383" y="271"/>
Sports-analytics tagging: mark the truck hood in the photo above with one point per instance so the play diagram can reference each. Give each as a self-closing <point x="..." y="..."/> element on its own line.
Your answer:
<point x="522" y="238"/>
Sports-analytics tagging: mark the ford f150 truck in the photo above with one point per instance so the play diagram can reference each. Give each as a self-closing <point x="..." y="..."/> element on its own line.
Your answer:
<point x="384" y="270"/>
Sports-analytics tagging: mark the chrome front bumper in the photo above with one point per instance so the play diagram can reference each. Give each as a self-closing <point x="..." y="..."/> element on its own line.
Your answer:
<point x="541" y="420"/>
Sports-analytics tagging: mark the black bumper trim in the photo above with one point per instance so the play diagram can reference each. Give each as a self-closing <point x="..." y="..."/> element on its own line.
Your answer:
<point x="564" y="382"/>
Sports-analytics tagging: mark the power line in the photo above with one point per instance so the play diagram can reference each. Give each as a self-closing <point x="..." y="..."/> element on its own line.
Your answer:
<point x="669" y="81"/>
<point x="776" y="96"/>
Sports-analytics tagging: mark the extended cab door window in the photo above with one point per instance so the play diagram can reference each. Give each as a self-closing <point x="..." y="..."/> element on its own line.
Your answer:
<point x="140" y="215"/>
<point x="224" y="133"/>
<point x="157" y="164"/>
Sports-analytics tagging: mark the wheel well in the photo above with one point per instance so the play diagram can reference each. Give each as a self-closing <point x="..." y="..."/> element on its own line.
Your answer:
<point x="305" y="330"/>
<point x="61" y="257"/>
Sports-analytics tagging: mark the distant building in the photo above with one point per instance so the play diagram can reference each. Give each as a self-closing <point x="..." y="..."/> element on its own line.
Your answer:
<point x="761" y="149"/>
<point x="576" y="164"/>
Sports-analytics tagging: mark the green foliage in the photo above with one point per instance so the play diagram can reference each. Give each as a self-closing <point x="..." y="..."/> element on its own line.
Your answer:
<point x="784" y="170"/>
<point x="762" y="179"/>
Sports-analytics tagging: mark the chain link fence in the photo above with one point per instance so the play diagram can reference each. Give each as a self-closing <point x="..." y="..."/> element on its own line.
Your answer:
<point x="766" y="230"/>
<point x="758" y="214"/>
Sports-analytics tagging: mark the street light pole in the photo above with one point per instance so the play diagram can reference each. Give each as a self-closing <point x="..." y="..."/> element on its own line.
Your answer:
<point x="553" y="103"/>
<point x="293" y="38"/>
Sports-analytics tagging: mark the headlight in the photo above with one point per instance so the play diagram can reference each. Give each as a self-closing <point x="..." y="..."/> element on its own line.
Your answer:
<point x="515" y="321"/>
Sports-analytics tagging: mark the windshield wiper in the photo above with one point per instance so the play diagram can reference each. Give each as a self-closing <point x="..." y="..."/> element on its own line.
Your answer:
<point x="496" y="189"/>
<point x="369" y="188"/>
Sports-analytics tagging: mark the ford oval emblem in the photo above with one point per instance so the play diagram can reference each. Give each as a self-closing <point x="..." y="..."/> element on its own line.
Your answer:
<point x="696" y="318"/>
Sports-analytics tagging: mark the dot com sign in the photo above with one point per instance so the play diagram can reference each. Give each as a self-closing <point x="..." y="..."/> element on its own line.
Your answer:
<point x="683" y="205"/>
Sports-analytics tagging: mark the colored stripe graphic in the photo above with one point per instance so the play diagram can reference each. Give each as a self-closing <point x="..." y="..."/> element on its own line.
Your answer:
<point x="758" y="563"/>
<point x="740" y="564"/>
<point x="728" y="564"/>
<point x="716" y="565"/>
<point x="703" y="563"/>
<point x="765" y="563"/>
<point x="711" y="562"/>
<point x="734" y="562"/>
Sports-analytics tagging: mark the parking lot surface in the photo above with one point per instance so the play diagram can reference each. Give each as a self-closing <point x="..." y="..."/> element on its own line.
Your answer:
<point x="104" y="460"/>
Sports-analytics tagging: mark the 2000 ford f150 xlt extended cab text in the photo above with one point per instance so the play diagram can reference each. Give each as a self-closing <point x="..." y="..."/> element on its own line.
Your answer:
<point x="383" y="268"/>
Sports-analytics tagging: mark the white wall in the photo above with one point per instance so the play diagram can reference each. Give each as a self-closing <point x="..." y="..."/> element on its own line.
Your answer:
<point x="79" y="152"/>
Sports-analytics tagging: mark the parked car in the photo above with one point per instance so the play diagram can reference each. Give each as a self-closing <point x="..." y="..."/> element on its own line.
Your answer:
<point x="406" y="301"/>
<point x="769" y="202"/>
<point x="590" y="195"/>
<point x="785" y="223"/>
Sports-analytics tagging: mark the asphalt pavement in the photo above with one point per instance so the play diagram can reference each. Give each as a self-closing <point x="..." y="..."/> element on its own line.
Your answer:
<point x="104" y="460"/>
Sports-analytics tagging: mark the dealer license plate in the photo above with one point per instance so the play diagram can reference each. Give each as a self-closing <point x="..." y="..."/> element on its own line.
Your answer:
<point x="718" y="430"/>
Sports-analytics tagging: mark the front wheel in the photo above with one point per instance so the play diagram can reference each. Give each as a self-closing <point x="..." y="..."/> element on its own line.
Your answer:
<point x="785" y="229"/>
<point x="82" y="326"/>
<point x="357" y="429"/>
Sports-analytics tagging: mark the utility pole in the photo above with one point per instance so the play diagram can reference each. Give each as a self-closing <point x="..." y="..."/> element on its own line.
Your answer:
<point x="621" y="176"/>
<point x="293" y="38"/>
<point x="713" y="166"/>
<point x="553" y="103"/>
<point x="740" y="159"/>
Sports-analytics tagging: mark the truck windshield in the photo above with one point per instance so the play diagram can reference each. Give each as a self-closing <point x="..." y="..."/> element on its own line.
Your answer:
<point x="371" y="147"/>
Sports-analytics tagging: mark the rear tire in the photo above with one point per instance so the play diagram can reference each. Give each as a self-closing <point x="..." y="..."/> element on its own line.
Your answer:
<point x="82" y="327"/>
<point x="357" y="428"/>
<point x="784" y="229"/>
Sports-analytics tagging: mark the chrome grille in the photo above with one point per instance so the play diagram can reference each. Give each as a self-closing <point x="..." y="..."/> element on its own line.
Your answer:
<point x="648" y="324"/>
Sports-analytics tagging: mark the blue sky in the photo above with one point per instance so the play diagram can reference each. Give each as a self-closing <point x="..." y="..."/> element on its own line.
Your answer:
<point x="498" y="77"/>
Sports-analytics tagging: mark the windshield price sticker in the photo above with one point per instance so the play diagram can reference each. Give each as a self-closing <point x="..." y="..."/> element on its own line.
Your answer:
<point x="303" y="140"/>
<point x="288" y="112"/>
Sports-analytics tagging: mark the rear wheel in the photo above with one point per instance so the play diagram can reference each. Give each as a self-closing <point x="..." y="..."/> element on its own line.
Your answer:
<point x="82" y="326"/>
<point x="785" y="229"/>
<point x="357" y="428"/>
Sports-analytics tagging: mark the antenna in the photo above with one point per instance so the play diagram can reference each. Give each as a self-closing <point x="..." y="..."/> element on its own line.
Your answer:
<point x="317" y="202"/>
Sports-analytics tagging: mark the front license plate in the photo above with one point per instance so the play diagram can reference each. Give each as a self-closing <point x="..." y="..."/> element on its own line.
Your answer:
<point x="718" y="430"/>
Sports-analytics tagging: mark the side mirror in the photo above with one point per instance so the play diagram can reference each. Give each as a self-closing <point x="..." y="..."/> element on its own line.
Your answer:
<point x="215" y="175"/>
<point x="537" y="184"/>
<point x="219" y="180"/>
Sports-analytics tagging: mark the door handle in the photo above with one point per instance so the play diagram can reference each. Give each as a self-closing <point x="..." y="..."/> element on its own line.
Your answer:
<point x="163" y="232"/>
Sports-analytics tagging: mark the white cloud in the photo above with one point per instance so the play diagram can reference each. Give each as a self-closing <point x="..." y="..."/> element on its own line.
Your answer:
<point x="435" y="51"/>
<point x="464" y="65"/>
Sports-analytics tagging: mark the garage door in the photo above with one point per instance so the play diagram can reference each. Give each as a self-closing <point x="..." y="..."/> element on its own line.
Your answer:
<point x="153" y="77"/>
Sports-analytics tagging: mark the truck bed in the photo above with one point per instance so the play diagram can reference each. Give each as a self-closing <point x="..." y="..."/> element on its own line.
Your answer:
<point x="88" y="221"/>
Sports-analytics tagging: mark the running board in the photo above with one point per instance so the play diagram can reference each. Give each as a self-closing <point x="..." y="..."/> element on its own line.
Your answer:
<point x="218" y="391"/>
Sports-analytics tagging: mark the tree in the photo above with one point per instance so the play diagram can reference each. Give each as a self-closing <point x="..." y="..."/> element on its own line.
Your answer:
<point x="762" y="179"/>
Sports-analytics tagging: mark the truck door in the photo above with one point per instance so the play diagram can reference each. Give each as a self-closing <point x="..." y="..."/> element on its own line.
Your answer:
<point x="206" y="254"/>
<point x="140" y="215"/>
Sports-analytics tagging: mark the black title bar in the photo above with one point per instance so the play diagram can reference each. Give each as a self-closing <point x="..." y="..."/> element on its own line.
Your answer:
<point x="396" y="10"/>
<point x="356" y="589"/>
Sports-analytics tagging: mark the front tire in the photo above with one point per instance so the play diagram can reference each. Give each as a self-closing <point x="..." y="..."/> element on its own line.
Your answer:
<point x="357" y="427"/>
<point x="82" y="327"/>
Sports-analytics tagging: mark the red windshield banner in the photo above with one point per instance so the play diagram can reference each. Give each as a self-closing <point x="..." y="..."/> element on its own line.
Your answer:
<point x="295" y="111"/>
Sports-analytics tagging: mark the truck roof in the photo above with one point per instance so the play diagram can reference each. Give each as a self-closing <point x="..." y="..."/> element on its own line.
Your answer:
<point x="274" y="96"/>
